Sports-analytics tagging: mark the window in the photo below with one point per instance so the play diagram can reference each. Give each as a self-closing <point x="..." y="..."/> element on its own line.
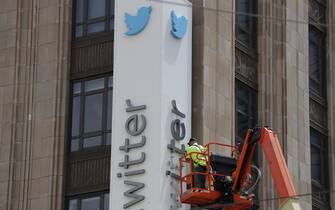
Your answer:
<point x="245" y="23"/>
<point x="93" y="16"/>
<point x="91" y="113"/>
<point x="96" y="201"/>
<point x="318" y="157"/>
<point x="246" y="71"/>
<point x="318" y="105"/>
<point x="317" y="11"/>
<point x="316" y="61"/>
<point x="246" y="109"/>
<point x="319" y="168"/>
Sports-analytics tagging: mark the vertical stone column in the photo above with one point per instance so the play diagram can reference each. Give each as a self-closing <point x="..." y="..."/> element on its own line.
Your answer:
<point x="297" y="98"/>
<point x="271" y="95"/>
<point x="8" y="72"/>
<point x="33" y="102"/>
<point x="213" y="71"/>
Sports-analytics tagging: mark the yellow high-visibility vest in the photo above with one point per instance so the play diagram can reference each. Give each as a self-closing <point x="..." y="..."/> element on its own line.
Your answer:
<point x="198" y="159"/>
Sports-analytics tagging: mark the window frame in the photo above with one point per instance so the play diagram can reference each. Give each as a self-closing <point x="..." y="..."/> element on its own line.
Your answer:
<point x="248" y="49"/>
<point x="104" y="130"/>
<point x="251" y="44"/>
<point x="319" y="100"/>
<point x="322" y="146"/>
<point x="250" y="59"/>
<point x="321" y="95"/>
<point x="252" y="108"/>
<point x="319" y="5"/>
<point x="107" y="18"/>
<point x="80" y="197"/>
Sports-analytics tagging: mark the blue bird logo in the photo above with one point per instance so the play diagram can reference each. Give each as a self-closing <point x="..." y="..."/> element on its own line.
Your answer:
<point x="179" y="25"/>
<point x="137" y="23"/>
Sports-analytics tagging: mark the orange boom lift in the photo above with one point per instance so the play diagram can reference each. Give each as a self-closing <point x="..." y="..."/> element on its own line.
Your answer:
<point x="231" y="179"/>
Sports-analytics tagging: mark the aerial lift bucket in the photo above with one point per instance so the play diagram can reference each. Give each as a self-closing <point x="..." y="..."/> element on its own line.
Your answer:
<point x="209" y="197"/>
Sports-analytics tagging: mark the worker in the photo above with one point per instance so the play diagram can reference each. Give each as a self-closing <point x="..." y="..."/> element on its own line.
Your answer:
<point x="199" y="160"/>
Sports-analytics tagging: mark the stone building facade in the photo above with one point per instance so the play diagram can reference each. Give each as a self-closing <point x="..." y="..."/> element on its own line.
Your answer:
<point x="283" y="94"/>
<point x="261" y="63"/>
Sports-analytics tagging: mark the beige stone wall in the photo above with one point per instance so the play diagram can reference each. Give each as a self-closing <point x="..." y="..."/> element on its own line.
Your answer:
<point x="284" y="91"/>
<point x="34" y="58"/>
<point x="213" y="71"/>
<point x="34" y="64"/>
<point x="297" y="98"/>
<point x="271" y="80"/>
<point x="283" y="84"/>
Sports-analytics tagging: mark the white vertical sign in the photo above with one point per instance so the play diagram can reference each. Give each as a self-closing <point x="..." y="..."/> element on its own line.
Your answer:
<point x="151" y="104"/>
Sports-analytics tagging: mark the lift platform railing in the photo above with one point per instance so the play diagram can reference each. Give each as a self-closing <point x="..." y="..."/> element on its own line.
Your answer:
<point x="193" y="193"/>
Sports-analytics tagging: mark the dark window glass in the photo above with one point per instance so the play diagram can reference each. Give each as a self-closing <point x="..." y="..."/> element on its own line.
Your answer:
<point x="109" y="110"/>
<point x="317" y="11"/>
<point x="110" y="82"/>
<point x="112" y="9"/>
<point x="246" y="109"/>
<point x="93" y="113"/>
<point x="79" y="11"/>
<point x="246" y="23"/>
<point x="243" y="6"/>
<point x="96" y="8"/>
<point x="91" y="109"/>
<point x="108" y="138"/>
<point x="246" y="72"/>
<point x="95" y="27"/>
<point x="96" y="84"/>
<point x="90" y="203"/>
<point x="106" y="201"/>
<point x="316" y="163"/>
<point x="243" y="21"/>
<point x="318" y="156"/>
<point x="319" y="170"/>
<point x="112" y="12"/>
<point x="92" y="141"/>
<point x="75" y="144"/>
<point x="93" y="201"/>
<point x="73" y="204"/>
<point x="318" y="105"/>
<point x="79" y="31"/>
<point x="316" y="61"/>
<point x="93" y="16"/>
<point x="75" y="116"/>
<point x="246" y="67"/>
<point x="76" y="88"/>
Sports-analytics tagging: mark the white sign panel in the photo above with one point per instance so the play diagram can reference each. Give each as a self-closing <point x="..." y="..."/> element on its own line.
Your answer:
<point x="151" y="104"/>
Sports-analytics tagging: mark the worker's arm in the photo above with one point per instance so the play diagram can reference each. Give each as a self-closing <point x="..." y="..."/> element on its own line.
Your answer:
<point x="196" y="155"/>
<point x="202" y="149"/>
<point x="192" y="152"/>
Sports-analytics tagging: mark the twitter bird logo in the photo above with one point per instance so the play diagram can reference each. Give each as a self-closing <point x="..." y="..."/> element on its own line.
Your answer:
<point x="179" y="25"/>
<point x="137" y="23"/>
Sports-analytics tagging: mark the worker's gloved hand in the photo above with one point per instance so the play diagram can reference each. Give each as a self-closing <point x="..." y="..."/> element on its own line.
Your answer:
<point x="251" y="196"/>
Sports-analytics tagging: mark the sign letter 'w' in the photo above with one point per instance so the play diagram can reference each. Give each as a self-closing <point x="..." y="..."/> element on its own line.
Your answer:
<point x="130" y="193"/>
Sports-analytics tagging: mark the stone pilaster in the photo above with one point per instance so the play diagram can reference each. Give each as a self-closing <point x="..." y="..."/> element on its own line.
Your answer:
<point x="33" y="102"/>
<point x="297" y="98"/>
<point x="271" y="80"/>
<point x="213" y="72"/>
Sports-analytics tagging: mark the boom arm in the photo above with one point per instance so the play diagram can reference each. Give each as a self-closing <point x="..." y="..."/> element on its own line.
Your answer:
<point x="276" y="161"/>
